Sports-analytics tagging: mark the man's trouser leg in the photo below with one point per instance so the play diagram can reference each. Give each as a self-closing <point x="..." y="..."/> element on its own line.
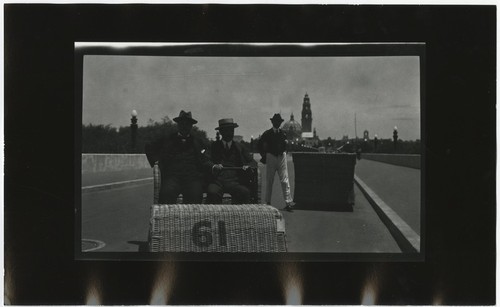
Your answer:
<point x="240" y="194"/>
<point x="192" y="191"/>
<point x="271" y="167"/>
<point x="169" y="190"/>
<point x="214" y="193"/>
<point x="283" y="175"/>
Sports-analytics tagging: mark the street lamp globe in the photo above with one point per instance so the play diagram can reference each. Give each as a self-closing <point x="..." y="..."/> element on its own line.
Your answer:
<point x="134" y="113"/>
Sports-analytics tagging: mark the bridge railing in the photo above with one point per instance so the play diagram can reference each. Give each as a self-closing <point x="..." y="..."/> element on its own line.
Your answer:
<point x="98" y="163"/>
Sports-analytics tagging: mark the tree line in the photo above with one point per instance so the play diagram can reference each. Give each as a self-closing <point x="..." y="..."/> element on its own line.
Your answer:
<point x="108" y="139"/>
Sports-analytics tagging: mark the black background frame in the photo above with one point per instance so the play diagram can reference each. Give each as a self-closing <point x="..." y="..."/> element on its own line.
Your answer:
<point x="460" y="153"/>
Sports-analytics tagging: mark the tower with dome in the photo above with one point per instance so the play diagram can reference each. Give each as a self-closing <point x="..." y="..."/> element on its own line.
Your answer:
<point x="302" y="132"/>
<point x="292" y="128"/>
<point x="306" y="115"/>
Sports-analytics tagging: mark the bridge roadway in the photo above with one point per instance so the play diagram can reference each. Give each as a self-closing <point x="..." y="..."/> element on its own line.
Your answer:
<point x="119" y="216"/>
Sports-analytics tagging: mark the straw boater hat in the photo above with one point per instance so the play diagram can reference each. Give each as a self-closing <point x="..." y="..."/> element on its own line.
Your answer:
<point x="185" y="116"/>
<point x="277" y="117"/>
<point x="226" y="123"/>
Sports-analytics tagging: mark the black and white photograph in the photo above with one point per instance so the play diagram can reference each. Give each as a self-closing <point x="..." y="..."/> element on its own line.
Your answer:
<point x="213" y="152"/>
<point x="256" y="154"/>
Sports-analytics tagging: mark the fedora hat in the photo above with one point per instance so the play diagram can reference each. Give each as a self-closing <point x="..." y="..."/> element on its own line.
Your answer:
<point x="277" y="117"/>
<point x="185" y="116"/>
<point x="226" y="123"/>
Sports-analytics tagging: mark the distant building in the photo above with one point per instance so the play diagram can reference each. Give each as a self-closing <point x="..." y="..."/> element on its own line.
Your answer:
<point x="366" y="135"/>
<point x="293" y="129"/>
<point x="302" y="133"/>
<point x="310" y="139"/>
<point x="307" y="135"/>
<point x="238" y="138"/>
<point x="306" y="115"/>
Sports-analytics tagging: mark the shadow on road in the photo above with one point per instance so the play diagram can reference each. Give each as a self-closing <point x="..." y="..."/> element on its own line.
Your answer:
<point x="142" y="245"/>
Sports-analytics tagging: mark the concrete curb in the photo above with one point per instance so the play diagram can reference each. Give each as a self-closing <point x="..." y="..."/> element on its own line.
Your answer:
<point x="406" y="238"/>
<point x="114" y="185"/>
<point x="411" y="161"/>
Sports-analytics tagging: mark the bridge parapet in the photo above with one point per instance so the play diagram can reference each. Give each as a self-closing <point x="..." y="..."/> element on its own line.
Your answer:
<point x="412" y="161"/>
<point x="98" y="163"/>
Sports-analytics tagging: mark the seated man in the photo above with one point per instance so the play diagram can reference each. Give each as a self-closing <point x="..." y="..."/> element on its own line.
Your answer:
<point x="182" y="163"/>
<point x="227" y="153"/>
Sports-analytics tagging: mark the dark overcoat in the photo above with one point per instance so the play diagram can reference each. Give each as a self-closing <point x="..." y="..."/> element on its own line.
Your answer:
<point x="245" y="158"/>
<point x="165" y="148"/>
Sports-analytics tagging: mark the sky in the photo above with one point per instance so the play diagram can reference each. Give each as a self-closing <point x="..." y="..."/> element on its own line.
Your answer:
<point x="381" y="92"/>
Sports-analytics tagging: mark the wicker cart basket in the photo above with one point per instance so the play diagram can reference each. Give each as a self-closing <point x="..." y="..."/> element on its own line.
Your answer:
<point x="216" y="228"/>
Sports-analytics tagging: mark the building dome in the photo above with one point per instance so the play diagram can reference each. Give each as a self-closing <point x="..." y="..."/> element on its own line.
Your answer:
<point x="292" y="128"/>
<point x="292" y="125"/>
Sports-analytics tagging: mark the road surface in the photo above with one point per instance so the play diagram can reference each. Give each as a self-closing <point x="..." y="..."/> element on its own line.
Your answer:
<point x="119" y="217"/>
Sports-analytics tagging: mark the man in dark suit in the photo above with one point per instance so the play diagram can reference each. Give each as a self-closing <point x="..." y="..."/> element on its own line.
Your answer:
<point x="272" y="148"/>
<point x="228" y="153"/>
<point x="182" y="163"/>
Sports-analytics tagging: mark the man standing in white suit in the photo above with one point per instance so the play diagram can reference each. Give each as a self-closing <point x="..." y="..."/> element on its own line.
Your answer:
<point x="272" y="148"/>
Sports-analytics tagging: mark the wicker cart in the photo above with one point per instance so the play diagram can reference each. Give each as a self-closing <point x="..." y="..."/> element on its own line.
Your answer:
<point x="246" y="228"/>
<point x="216" y="228"/>
<point x="251" y="181"/>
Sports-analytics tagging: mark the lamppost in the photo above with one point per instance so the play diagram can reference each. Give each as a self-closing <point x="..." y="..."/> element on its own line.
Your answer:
<point x="375" y="142"/>
<point x="395" y="137"/>
<point x="364" y="147"/>
<point x="251" y="143"/>
<point x="133" y="129"/>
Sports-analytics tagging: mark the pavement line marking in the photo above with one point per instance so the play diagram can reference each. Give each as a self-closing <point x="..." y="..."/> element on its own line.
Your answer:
<point x="99" y="244"/>
<point x="113" y="184"/>
<point x="398" y="224"/>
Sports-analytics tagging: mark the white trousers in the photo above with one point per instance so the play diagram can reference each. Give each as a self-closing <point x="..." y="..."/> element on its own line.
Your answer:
<point x="277" y="164"/>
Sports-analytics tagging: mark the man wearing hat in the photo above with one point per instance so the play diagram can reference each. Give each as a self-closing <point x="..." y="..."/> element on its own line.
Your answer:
<point x="227" y="153"/>
<point x="272" y="148"/>
<point x="182" y="163"/>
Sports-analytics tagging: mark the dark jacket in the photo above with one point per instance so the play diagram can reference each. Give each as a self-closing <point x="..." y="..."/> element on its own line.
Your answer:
<point x="217" y="152"/>
<point x="245" y="158"/>
<point x="166" y="148"/>
<point x="271" y="142"/>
